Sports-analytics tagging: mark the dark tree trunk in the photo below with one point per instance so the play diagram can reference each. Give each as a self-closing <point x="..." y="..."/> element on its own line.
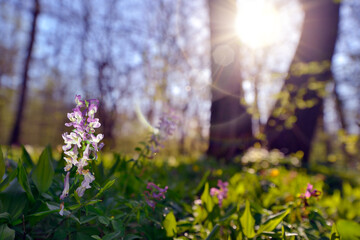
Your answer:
<point x="230" y="124"/>
<point x="15" y="135"/>
<point x="309" y="68"/>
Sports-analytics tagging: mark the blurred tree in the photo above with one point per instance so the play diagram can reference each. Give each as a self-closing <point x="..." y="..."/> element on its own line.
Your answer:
<point x="7" y="61"/>
<point x="230" y="124"/>
<point x="292" y="124"/>
<point x="15" y="135"/>
<point x="346" y="68"/>
<point x="7" y="65"/>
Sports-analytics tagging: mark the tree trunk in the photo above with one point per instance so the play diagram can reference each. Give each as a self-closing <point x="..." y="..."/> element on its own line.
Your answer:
<point x="310" y="70"/>
<point x="15" y="136"/>
<point x="107" y="116"/>
<point x="339" y="107"/>
<point x="230" y="124"/>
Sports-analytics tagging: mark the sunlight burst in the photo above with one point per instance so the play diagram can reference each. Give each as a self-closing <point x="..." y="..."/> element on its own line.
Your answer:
<point x="257" y="23"/>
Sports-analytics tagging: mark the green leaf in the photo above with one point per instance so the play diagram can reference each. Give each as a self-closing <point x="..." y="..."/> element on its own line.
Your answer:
<point x="13" y="201"/>
<point x="6" y="233"/>
<point x="2" y="165"/>
<point x="77" y="198"/>
<point x="228" y="214"/>
<point x="118" y="225"/>
<point x="202" y="182"/>
<point x="334" y="233"/>
<point x="8" y="180"/>
<point x="40" y="213"/>
<point x="43" y="173"/>
<point x="131" y="237"/>
<point x="283" y="234"/>
<point x="348" y="229"/>
<point x="247" y="221"/>
<point x="43" y="213"/>
<point x="90" y="202"/>
<point x="115" y="165"/>
<point x="110" y="236"/>
<point x="24" y="182"/>
<point x="272" y="223"/>
<point x="4" y="217"/>
<point x="86" y="219"/>
<point x="104" y="220"/>
<point x="96" y="237"/>
<point x="169" y="224"/>
<point x="206" y="198"/>
<point x="25" y="157"/>
<point x="107" y="186"/>
<point x="213" y="232"/>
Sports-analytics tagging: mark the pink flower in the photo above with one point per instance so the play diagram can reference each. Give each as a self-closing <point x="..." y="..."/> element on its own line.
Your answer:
<point x="220" y="192"/>
<point x="310" y="192"/>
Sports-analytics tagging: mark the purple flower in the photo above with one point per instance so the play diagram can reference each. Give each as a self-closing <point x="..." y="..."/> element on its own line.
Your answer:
<point x="84" y="160"/>
<point x="220" y="192"/>
<point x="167" y="125"/>
<point x="72" y="158"/>
<point x="66" y="187"/>
<point x="154" y="193"/>
<point x="310" y="192"/>
<point x="78" y="101"/>
<point x="83" y="120"/>
<point x="93" y="107"/>
<point x="71" y="139"/>
<point x="151" y="203"/>
<point x="76" y="118"/>
<point x="85" y="184"/>
<point x="96" y="140"/>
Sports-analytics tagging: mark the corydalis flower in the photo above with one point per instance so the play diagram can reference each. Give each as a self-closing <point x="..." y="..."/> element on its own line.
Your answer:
<point x="61" y="209"/>
<point x="66" y="187"/>
<point x="166" y="128"/>
<point x="310" y="192"/>
<point x="81" y="145"/>
<point x="220" y="192"/>
<point x="85" y="184"/>
<point x="154" y="193"/>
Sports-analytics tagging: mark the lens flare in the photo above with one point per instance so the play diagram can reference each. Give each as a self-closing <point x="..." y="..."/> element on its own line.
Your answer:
<point x="257" y="23"/>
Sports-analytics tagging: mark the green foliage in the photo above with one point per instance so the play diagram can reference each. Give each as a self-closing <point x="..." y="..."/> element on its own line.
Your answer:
<point x="348" y="229"/>
<point x="25" y="157"/>
<point x="213" y="232"/>
<point x="273" y="221"/>
<point x="169" y="224"/>
<point x="24" y="182"/>
<point x="207" y="199"/>
<point x="262" y="203"/>
<point x="334" y="233"/>
<point x="6" y="233"/>
<point x="248" y="222"/>
<point x="43" y="173"/>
